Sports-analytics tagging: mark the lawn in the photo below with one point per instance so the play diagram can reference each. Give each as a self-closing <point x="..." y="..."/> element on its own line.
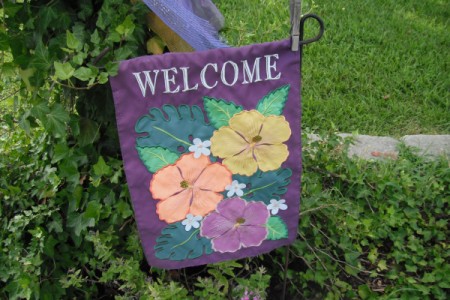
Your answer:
<point x="381" y="67"/>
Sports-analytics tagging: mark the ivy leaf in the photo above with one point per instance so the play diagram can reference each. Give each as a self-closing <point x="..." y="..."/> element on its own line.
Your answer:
<point x="264" y="186"/>
<point x="63" y="71"/>
<point x="220" y="111"/>
<point x="56" y="120"/>
<point x="41" y="59"/>
<point x="79" y="223"/>
<point x="89" y="132"/>
<point x="175" y="243"/>
<point x="127" y="27"/>
<point x="101" y="168"/>
<point x="4" y="42"/>
<point x="276" y="228"/>
<point x="72" y="42"/>
<point x="83" y="73"/>
<point x="173" y="128"/>
<point x="273" y="102"/>
<point x="155" y="158"/>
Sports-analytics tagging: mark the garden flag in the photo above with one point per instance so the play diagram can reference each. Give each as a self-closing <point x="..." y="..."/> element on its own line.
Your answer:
<point x="212" y="151"/>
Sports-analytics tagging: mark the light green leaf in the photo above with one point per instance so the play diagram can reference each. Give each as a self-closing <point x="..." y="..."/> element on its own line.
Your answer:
<point x="103" y="77"/>
<point x="127" y="27"/>
<point x="63" y="71"/>
<point x="273" y="103"/>
<point x="276" y="228"/>
<point x="101" y="168"/>
<point x="72" y="42"/>
<point x="155" y="158"/>
<point x="83" y="73"/>
<point x="112" y="68"/>
<point x="220" y="111"/>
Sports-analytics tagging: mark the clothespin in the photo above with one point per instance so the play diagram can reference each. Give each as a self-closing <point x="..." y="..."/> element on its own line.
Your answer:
<point x="296" y="13"/>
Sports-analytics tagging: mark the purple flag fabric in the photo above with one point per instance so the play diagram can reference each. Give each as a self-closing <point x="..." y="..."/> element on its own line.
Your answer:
<point x="212" y="151"/>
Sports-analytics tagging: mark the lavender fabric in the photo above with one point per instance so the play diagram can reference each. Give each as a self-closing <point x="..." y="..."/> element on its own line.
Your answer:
<point x="197" y="22"/>
<point x="212" y="151"/>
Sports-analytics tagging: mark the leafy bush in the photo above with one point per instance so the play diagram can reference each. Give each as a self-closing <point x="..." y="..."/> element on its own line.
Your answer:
<point x="368" y="229"/>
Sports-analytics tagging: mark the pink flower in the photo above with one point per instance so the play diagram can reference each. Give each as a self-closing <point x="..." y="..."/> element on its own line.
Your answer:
<point x="236" y="224"/>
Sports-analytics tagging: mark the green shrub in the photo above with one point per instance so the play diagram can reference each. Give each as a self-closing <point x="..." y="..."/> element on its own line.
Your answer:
<point x="367" y="230"/>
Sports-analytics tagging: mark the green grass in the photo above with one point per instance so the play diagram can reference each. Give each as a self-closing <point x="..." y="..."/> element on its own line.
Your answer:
<point x="381" y="68"/>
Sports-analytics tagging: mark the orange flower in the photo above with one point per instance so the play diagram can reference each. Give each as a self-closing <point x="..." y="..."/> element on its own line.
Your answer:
<point x="190" y="186"/>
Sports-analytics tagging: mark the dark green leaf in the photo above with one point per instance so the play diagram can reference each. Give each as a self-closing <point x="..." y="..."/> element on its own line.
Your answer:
<point x="174" y="131"/>
<point x="175" y="243"/>
<point x="41" y="59"/>
<point x="56" y="120"/>
<point x="264" y="186"/>
<point x="89" y="132"/>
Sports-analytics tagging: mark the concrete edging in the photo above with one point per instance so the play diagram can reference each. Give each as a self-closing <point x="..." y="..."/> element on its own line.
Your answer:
<point x="376" y="147"/>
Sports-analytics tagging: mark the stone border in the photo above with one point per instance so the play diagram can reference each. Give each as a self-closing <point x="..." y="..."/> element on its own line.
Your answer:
<point x="376" y="147"/>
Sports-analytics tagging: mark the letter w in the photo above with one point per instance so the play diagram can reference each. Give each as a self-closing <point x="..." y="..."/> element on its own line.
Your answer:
<point x="148" y="81"/>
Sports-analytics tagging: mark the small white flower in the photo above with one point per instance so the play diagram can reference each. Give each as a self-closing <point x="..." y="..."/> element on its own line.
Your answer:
<point x="191" y="221"/>
<point x="276" y="205"/>
<point x="235" y="188"/>
<point x="200" y="148"/>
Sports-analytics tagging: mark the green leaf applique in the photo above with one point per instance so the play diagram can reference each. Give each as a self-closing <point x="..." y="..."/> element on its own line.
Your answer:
<point x="273" y="103"/>
<point x="276" y="228"/>
<point x="220" y="111"/>
<point x="173" y="128"/>
<point x="155" y="158"/>
<point x="175" y="243"/>
<point x="264" y="186"/>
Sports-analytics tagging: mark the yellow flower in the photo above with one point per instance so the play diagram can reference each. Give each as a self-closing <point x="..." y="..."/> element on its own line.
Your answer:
<point x="252" y="141"/>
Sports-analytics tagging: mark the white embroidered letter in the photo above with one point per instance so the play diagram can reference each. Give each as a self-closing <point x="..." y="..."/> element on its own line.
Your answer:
<point x="250" y="73"/>
<point x="271" y="66"/>
<point x="202" y="75"/>
<point x="223" y="73"/>
<point x="186" y="80"/>
<point x="148" y="81"/>
<point x="170" y="80"/>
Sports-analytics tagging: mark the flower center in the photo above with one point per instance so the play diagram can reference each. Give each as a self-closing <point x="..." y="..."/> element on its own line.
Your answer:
<point x="240" y="221"/>
<point x="256" y="139"/>
<point x="184" y="184"/>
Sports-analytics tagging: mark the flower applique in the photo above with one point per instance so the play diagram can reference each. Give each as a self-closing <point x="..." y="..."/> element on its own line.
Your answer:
<point x="200" y="148"/>
<point x="276" y="205"/>
<point x="252" y="141"/>
<point x="191" y="221"/>
<point x="218" y="174"/>
<point x="236" y="224"/>
<point x="189" y="186"/>
<point x="235" y="188"/>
